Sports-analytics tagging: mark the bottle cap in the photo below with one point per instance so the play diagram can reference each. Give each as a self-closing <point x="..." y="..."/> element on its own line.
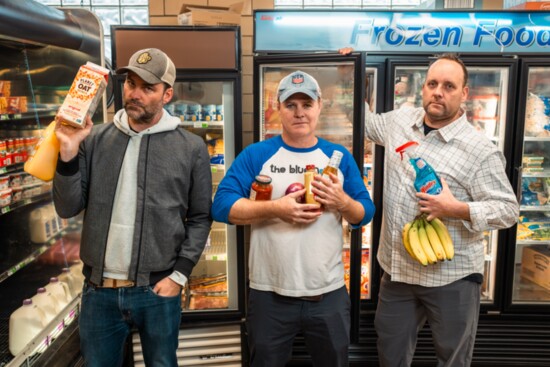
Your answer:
<point x="41" y="290"/>
<point x="264" y="179"/>
<point x="310" y="167"/>
<point x="27" y="302"/>
<point x="404" y="147"/>
<point x="54" y="280"/>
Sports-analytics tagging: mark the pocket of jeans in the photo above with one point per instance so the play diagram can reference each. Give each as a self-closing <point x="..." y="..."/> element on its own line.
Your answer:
<point x="151" y="291"/>
<point x="87" y="289"/>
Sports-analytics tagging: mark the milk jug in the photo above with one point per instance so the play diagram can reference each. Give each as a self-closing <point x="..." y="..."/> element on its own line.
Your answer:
<point x="76" y="271"/>
<point x="25" y="323"/>
<point x="41" y="229"/>
<point x="47" y="303"/>
<point x="60" y="290"/>
<point x="67" y="277"/>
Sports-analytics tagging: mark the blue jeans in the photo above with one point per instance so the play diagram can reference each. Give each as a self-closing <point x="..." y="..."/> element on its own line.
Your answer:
<point x="107" y="316"/>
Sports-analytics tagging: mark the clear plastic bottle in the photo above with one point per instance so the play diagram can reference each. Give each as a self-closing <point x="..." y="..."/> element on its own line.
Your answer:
<point x="43" y="160"/>
<point x="426" y="180"/>
<point x="333" y="164"/>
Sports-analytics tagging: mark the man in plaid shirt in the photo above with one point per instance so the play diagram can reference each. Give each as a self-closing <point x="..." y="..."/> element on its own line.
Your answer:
<point x="476" y="197"/>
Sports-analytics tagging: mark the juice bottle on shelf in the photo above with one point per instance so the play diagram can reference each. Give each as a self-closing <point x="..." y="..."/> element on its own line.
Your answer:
<point x="43" y="159"/>
<point x="333" y="164"/>
<point x="261" y="188"/>
<point x="25" y="323"/>
<point x="426" y="180"/>
<point x="308" y="179"/>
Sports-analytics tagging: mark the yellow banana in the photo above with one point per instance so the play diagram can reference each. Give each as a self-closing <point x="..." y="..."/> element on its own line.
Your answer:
<point x="435" y="242"/>
<point x="406" y="242"/>
<point x="445" y="237"/>
<point x="416" y="247"/>
<point x="425" y="242"/>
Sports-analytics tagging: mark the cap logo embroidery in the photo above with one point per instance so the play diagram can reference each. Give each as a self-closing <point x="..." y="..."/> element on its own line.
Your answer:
<point x="144" y="58"/>
<point x="298" y="79"/>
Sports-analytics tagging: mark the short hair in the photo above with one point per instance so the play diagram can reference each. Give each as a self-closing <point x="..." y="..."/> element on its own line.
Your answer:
<point x="452" y="57"/>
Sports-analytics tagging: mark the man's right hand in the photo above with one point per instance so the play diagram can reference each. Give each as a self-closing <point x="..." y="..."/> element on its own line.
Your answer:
<point x="345" y="50"/>
<point x="70" y="138"/>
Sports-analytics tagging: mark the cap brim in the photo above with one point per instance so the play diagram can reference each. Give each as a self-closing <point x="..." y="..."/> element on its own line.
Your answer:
<point x="287" y="94"/>
<point x="143" y="74"/>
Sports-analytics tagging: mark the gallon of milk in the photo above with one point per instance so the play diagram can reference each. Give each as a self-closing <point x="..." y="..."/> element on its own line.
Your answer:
<point x="60" y="290"/>
<point x="25" y="323"/>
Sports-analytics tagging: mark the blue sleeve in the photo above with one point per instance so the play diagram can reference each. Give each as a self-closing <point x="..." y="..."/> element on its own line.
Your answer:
<point x="355" y="187"/>
<point x="238" y="179"/>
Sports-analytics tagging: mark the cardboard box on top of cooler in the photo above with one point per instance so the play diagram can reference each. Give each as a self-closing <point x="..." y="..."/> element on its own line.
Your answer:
<point x="211" y="15"/>
<point x="535" y="265"/>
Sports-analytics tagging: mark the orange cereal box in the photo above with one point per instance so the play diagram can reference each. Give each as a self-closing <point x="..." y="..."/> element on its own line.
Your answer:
<point x="84" y="95"/>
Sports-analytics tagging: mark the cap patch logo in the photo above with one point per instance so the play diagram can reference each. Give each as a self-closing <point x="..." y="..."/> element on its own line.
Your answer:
<point x="144" y="58"/>
<point x="298" y="79"/>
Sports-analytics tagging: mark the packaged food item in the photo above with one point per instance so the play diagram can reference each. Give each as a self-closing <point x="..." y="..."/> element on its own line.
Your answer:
<point x="5" y="197"/>
<point x="261" y="188"/>
<point x="426" y="180"/>
<point x="308" y="179"/>
<point x="194" y="112"/>
<point x="42" y="160"/>
<point x="84" y="95"/>
<point x="219" y="112"/>
<point x="5" y="88"/>
<point x="209" y="112"/>
<point x="25" y="323"/>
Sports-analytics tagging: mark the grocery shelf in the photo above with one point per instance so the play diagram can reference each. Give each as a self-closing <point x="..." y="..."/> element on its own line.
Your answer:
<point x="541" y="208"/>
<point x="21" y="203"/>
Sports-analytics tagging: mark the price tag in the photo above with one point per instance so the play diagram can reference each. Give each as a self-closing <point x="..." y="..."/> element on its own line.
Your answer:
<point x="5" y="210"/>
<point x="4" y="117"/>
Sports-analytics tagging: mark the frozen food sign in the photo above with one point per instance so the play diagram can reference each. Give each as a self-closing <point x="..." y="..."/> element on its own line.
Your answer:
<point x="504" y="32"/>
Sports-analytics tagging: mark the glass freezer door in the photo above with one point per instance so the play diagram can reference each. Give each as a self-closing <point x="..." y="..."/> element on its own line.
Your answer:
<point x="206" y="108"/>
<point x="531" y="283"/>
<point x="486" y="111"/>
<point x="335" y="124"/>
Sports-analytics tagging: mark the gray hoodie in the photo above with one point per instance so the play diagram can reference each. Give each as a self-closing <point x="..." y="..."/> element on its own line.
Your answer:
<point x="147" y="198"/>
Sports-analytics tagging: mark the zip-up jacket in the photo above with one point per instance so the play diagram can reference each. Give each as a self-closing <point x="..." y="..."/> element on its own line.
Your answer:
<point x="174" y="196"/>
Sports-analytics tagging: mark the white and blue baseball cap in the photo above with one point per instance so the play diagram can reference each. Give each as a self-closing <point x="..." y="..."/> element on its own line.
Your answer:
<point x="298" y="82"/>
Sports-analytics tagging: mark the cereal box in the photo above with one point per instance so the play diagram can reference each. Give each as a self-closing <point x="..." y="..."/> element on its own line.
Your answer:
<point x="84" y="95"/>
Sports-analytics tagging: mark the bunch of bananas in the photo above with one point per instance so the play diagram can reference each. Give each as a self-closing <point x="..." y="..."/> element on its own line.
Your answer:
<point x="428" y="242"/>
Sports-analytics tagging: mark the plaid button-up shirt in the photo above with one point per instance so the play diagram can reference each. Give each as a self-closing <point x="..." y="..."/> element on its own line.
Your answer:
<point x="474" y="170"/>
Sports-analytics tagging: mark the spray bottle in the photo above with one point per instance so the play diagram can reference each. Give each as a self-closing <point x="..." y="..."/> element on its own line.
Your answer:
<point x="426" y="180"/>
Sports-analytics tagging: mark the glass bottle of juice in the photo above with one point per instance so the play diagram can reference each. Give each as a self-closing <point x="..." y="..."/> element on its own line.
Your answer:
<point x="333" y="164"/>
<point x="308" y="179"/>
<point x="426" y="179"/>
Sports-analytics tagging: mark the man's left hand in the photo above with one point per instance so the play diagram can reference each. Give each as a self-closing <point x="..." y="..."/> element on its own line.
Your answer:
<point x="167" y="288"/>
<point x="443" y="204"/>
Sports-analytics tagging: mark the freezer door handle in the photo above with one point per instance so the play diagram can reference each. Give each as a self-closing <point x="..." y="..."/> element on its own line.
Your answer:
<point x="520" y="179"/>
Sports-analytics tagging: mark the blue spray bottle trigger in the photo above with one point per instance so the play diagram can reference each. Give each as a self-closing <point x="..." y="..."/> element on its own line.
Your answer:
<point x="426" y="179"/>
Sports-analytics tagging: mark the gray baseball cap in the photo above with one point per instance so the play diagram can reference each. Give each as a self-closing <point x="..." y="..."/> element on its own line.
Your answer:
<point x="298" y="82"/>
<point x="151" y="65"/>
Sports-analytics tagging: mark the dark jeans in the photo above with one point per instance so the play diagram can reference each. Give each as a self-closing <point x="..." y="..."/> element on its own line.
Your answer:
<point x="108" y="315"/>
<point x="273" y="321"/>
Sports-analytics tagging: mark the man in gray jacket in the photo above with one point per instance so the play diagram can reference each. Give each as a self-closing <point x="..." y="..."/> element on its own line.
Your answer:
<point x="145" y="185"/>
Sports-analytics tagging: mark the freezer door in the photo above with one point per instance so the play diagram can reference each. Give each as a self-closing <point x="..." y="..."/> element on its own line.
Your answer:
<point x="207" y="108"/>
<point x="531" y="255"/>
<point x="486" y="110"/>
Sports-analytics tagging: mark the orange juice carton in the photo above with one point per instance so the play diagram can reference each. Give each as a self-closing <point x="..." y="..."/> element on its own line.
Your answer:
<point x="84" y="96"/>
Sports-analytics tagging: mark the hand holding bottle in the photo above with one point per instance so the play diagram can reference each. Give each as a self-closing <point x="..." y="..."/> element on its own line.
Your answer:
<point x="443" y="205"/>
<point x="70" y="138"/>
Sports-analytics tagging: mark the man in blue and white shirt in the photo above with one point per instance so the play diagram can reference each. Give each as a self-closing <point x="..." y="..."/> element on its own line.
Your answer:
<point x="296" y="269"/>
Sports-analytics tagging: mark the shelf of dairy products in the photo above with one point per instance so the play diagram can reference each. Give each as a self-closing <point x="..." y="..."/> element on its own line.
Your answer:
<point x="35" y="325"/>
